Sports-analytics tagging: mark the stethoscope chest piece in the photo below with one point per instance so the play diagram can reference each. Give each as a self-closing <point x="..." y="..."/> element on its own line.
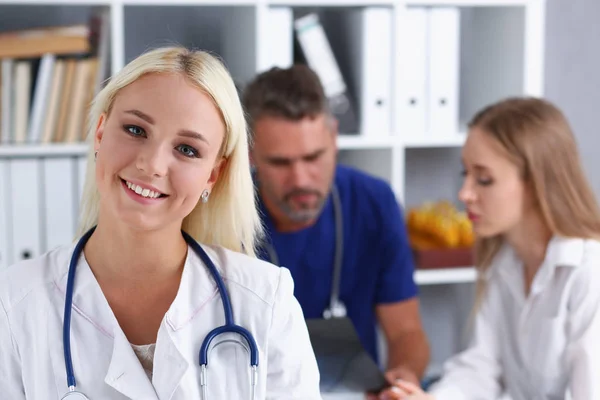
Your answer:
<point x="75" y="396"/>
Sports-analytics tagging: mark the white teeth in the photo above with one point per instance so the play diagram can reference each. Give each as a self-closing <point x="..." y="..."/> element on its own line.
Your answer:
<point x="142" y="192"/>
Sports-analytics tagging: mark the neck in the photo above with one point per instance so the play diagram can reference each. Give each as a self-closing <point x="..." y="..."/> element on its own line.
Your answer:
<point x="530" y="241"/>
<point x="120" y="255"/>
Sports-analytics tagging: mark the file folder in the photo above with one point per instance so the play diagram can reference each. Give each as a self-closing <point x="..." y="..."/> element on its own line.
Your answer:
<point x="25" y="208"/>
<point x="366" y="36"/>
<point x="278" y="39"/>
<point x="443" y="67"/>
<point x="5" y="257"/>
<point x="412" y="74"/>
<point x="58" y="195"/>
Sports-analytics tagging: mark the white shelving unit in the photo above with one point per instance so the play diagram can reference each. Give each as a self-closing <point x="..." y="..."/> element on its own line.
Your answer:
<point x="445" y="276"/>
<point x="499" y="54"/>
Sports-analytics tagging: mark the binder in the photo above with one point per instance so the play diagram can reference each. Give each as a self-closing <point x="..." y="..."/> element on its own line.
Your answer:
<point x="366" y="34"/>
<point x="21" y="100"/>
<point x="7" y="93"/>
<point x="278" y="38"/>
<point x="39" y="108"/>
<point x="24" y="179"/>
<point x="5" y="254"/>
<point x="58" y="205"/>
<point x="443" y="67"/>
<point x="412" y="75"/>
<point x="319" y="57"/>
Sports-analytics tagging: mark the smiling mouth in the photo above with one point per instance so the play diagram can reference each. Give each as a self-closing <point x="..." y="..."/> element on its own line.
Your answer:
<point x="147" y="193"/>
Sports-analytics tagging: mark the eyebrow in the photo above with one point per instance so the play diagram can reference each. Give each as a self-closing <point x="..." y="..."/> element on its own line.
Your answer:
<point x="184" y="132"/>
<point x="287" y="160"/>
<point x="480" y="167"/>
<point x="141" y="115"/>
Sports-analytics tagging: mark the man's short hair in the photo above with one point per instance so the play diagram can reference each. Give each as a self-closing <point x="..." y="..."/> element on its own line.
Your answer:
<point x="292" y="93"/>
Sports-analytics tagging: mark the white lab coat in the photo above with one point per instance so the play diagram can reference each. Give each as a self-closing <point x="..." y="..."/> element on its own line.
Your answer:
<point x="32" y="295"/>
<point x="542" y="347"/>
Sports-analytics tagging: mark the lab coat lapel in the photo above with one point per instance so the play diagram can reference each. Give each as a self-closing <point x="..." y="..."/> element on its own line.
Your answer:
<point x="169" y="371"/>
<point x="125" y="373"/>
<point x="196" y="290"/>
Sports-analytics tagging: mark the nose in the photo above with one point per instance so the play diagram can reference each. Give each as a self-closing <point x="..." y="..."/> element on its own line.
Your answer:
<point x="153" y="161"/>
<point x="466" y="193"/>
<point x="300" y="175"/>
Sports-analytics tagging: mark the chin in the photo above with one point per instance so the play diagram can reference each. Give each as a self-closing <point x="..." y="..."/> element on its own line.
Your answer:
<point x="486" y="232"/>
<point x="141" y="223"/>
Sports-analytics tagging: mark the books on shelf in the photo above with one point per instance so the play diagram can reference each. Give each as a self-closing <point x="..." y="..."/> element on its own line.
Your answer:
<point x="48" y="78"/>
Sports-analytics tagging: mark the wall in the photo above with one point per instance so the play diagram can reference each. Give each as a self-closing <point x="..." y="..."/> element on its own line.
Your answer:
<point x="573" y="73"/>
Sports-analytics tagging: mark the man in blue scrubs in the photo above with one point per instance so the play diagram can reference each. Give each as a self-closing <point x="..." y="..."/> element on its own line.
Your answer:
<point x="294" y="156"/>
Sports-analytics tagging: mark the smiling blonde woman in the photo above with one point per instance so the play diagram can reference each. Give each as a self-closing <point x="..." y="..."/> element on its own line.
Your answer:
<point x="164" y="255"/>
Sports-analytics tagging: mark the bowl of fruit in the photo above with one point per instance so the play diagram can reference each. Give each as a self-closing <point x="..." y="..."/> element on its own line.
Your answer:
<point x="440" y="235"/>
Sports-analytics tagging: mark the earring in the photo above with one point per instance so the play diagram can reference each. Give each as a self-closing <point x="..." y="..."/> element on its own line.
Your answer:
<point x="95" y="156"/>
<point x="204" y="196"/>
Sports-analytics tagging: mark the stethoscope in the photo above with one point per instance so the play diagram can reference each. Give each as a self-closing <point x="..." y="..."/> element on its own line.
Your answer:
<point x="336" y="308"/>
<point x="229" y="327"/>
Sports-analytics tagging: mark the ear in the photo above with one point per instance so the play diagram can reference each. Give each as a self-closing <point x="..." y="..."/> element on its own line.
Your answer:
<point x="251" y="158"/>
<point x="216" y="172"/>
<point x="333" y="126"/>
<point x="99" y="131"/>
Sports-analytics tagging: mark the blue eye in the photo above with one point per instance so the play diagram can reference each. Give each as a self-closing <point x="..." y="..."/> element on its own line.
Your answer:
<point x="187" y="151"/>
<point x="133" y="130"/>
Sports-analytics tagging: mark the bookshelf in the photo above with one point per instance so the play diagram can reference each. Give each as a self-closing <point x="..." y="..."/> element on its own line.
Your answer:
<point x="493" y="49"/>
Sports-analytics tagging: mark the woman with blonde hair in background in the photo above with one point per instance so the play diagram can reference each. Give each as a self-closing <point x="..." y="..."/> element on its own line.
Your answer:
<point x="537" y="317"/>
<point x="137" y="308"/>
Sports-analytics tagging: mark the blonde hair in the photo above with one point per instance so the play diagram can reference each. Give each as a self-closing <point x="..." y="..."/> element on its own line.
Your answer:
<point x="535" y="135"/>
<point x="230" y="218"/>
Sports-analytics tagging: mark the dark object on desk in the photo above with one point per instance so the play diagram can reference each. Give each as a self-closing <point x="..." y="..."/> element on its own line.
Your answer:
<point x="345" y="366"/>
<point x="443" y="257"/>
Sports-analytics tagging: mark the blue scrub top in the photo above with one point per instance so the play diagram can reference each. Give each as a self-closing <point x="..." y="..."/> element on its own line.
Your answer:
<point x="377" y="264"/>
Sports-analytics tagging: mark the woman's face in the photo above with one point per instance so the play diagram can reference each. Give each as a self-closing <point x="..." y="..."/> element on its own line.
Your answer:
<point x="157" y="151"/>
<point x="493" y="191"/>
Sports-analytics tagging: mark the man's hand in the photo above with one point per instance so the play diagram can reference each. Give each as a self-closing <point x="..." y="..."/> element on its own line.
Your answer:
<point x="392" y="376"/>
<point x="402" y="390"/>
<point x="402" y="373"/>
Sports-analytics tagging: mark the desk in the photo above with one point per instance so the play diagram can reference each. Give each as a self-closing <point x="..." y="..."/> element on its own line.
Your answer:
<point x="343" y="396"/>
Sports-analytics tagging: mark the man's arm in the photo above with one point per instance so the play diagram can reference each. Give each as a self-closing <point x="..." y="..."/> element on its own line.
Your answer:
<point x="396" y="302"/>
<point x="407" y="345"/>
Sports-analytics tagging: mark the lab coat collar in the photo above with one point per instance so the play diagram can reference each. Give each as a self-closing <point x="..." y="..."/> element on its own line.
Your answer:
<point x="196" y="289"/>
<point x="561" y="252"/>
<point x="126" y="375"/>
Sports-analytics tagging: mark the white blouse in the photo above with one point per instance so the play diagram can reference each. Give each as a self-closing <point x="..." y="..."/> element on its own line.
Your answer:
<point x="545" y="346"/>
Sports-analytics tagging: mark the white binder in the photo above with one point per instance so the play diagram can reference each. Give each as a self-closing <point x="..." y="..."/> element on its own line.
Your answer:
<point x="25" y="208"/>
<point x="278" y="38"/>
<point x="369" y="30"/>
<point x="443" y="67"/>
<point x="40" y="98"/>
<point x="412" y="73"/>
<point x="59" y="193"/>
<point x="5" y="253"/>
